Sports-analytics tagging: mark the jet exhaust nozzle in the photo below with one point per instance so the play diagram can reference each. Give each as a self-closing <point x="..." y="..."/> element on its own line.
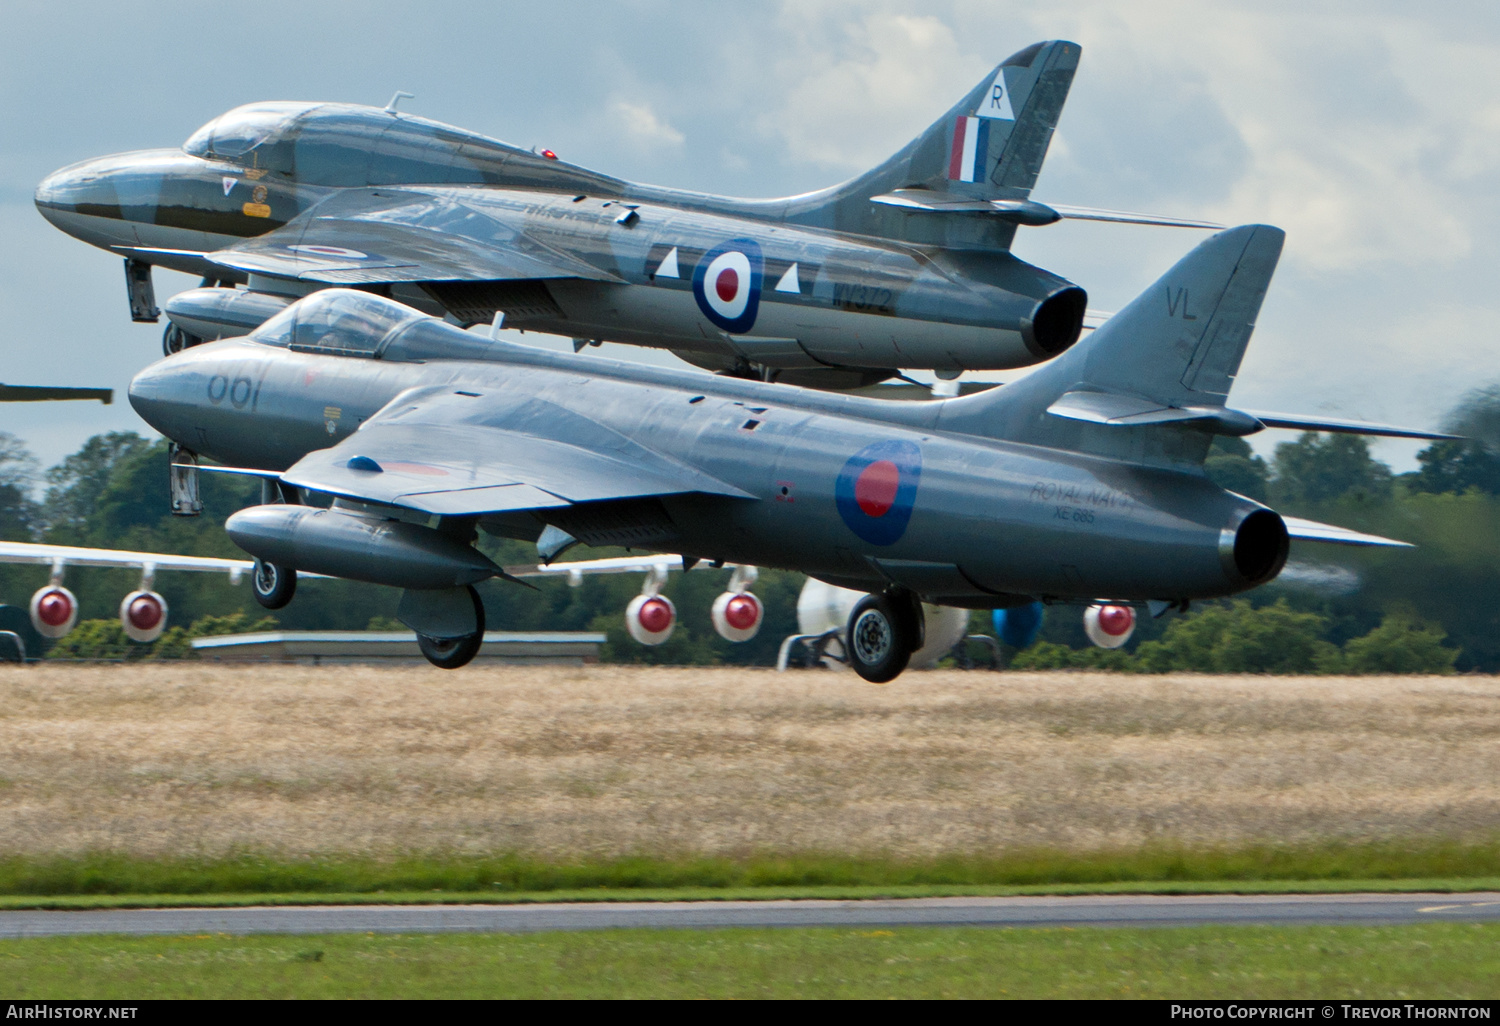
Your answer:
<point x="1255" y="549"/>
<point x="359" y="548"/>
<point x="1056" y="322"/>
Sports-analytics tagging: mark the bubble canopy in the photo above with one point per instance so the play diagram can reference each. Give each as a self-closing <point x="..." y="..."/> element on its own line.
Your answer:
<point x="233" y="136"/>
<point x="343" y="145"/>
<point x="337" y="321"/>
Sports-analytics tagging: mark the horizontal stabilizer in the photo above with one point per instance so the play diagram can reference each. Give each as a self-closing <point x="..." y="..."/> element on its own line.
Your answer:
<point x="1348" y="427"/>
<point x="1311" y="530"/>
<point x="1027" y="212"/>
<point x="1119" y="410"/>
<point x="1126" y="217"/>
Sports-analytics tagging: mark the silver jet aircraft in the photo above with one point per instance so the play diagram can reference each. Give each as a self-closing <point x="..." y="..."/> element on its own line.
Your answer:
<point x="1084" y="481"/>
<point x="906" y="266"/>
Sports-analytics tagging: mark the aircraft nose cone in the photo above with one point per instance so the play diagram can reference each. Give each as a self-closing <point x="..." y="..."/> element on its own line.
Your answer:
<point x="98" y="200"/>
<point x="160" y="395"/>
<point x="68" y="188"/>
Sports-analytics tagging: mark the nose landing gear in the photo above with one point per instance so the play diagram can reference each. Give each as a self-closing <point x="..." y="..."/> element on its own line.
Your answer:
<point x="174" y="340"/>
<point x="273" y="585"/>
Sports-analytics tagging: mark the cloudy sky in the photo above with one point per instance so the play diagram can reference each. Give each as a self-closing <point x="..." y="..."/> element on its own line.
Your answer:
<point x="1371" y="133"/>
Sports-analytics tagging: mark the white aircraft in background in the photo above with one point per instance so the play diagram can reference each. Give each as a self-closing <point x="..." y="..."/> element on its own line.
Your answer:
<point x="822" y="612"/>
<point x="143" y="612"/>
<point x="737" y="613"/>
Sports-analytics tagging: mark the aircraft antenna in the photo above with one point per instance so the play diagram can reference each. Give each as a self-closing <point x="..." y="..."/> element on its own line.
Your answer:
<point x="401" y="94"/>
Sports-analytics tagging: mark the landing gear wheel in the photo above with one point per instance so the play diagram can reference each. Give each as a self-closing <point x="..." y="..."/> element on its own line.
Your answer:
<point x="273" y="585"/>
<point x="880" y="639"/>
<point x="451" y="653"/>
<point x="175" y="340"/>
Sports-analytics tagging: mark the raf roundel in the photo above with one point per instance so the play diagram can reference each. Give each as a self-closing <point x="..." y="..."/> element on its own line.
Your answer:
<point x="727" y="284"/>
<point x="877" y="489"/>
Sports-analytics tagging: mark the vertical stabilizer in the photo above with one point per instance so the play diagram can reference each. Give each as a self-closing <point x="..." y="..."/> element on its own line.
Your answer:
<point x="1136" y="386"/>
<point x="990" y="145"/>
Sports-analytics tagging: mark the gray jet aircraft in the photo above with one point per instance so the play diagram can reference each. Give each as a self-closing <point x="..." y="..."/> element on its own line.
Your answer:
<point x="907" y="266"/>
<point x="1082" y="481"/>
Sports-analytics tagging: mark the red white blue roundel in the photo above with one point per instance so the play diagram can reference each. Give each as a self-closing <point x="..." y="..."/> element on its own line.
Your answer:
<point x="727" y="282"/>
<point x="876" y="490"/>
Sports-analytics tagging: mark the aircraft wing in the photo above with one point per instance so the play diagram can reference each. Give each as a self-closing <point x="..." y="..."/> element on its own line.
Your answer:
<point x="72" y="555"/>
<point x="451" y="454"/>
<point x="578" y="568"/>
<point x="48" y="393"/>
<point x="1311" y="530"/>
<point x="364" y="236"/>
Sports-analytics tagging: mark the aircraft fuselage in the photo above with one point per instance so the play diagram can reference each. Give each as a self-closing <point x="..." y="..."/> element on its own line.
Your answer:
<point x="729" y="284"/>
<point x="858" y="492"/>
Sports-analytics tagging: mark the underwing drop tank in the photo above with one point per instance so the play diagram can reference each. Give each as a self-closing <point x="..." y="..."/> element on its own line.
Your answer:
<point x="362" y="548"/>
<point x="209" y="313"/>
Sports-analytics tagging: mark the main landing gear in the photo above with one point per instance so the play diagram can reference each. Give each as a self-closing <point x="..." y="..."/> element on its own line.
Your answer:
<point x="882" y="633"/>
<point x="451" y="653"/>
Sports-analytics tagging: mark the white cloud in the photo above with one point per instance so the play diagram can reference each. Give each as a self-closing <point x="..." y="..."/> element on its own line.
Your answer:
<point x="1348" y="141"/>
<point x="859" y="87"/>
<point x="641" y="128"/>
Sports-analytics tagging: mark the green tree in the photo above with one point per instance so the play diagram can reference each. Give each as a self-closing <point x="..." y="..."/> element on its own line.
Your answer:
<point x="1455" y="465"/>
<point x="1239" y="638"/>
<point x="1399" y="645"/>
<point x="1477" y="417"/>
<point x="1232" y="464"/>
<point x="1472" y="461"/>
<point x="1317" y="469"/>
<point x="75" y="484"/>
<point x="20" y="515"/>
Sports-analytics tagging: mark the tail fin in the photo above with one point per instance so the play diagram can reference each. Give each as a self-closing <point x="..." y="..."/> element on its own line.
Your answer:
<point x="1165" y="361"/>
<point x="989" y="146"/>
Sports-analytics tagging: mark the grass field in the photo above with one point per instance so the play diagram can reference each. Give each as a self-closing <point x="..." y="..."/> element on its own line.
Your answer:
<point x="1439" y="960"/>
<point x="198" y="761"/>
<point x="118" y="881"/>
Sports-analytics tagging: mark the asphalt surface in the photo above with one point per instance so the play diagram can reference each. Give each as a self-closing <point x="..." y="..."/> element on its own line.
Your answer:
<point x="1088" y="910"/>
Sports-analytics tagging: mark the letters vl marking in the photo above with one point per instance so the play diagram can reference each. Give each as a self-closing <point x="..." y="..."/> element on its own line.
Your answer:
<point x="1179" y="301"/>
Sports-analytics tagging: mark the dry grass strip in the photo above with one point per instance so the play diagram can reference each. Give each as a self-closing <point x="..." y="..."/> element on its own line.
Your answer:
<point x="603" y="761"/>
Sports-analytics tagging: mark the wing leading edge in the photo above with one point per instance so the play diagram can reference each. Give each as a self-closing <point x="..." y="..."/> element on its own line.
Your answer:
<point x="364" y="236"/>
<point x="70" y="555"/>
<point x="426" y="456"/>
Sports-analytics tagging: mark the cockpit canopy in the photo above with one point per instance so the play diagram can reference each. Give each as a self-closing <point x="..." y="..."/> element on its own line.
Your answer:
<point x="349" y="145"/>
<point x="337" y="322"/>
<point x="240" y="136"/>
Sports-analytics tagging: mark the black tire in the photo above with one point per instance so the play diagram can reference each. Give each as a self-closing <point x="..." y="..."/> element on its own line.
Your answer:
<point x="273" y="585"/>
<point x="451" y="653"/>
<point x="175" y="340"/>
<point x="879" y="639"/>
